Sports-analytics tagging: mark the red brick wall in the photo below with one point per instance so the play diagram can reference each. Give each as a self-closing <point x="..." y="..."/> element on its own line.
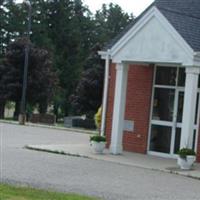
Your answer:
<point x="138" y="104"/>
<point x="139" y="90"/>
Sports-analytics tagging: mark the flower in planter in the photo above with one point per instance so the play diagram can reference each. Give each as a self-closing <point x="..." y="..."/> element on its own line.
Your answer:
<point x="97" y="138"/>
<point x="186" y="158"/>
<point x="184" y="152"/>
<point x="98" y="143"/>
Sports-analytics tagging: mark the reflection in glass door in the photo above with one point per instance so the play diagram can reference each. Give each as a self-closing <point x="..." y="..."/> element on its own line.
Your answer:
<point x="161" y="138"/>
<point x="162" y="120"/>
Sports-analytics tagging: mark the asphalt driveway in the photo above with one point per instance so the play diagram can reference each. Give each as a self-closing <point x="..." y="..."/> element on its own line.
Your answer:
<point x="107" y="180"/>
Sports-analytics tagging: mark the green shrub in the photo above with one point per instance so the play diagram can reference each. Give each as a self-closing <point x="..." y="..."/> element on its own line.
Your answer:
<point x="98" y="138"/>
<point x="184" y="152"/>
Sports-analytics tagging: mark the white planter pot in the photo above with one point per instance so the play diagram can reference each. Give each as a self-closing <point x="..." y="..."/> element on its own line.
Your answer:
<point x="98" y="147"/>
<point x="186" y="163"/>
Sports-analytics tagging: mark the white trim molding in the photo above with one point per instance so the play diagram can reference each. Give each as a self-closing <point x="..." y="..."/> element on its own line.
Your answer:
<point x="104" y="54"/>
<point x="181" y="54"/>
<point x="196" y="60"/>
<point x="192" y="70"/>
<point x="163" y="23"/>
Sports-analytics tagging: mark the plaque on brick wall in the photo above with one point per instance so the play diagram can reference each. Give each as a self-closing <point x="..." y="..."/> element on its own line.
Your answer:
<point x="128" y="125"/>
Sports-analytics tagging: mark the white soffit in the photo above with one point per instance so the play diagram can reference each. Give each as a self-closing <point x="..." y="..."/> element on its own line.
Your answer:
<point x="153" y="39"/>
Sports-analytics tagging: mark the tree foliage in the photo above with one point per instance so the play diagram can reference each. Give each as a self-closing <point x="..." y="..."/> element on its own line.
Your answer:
<point x="42" y="79"/>
<point x="88" y="94"/>
<point x="68" y="30"/>
<point x="109" y="21"/>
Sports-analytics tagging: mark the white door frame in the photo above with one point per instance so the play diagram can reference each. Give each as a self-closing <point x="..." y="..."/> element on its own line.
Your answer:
<point x="174" y="124"/>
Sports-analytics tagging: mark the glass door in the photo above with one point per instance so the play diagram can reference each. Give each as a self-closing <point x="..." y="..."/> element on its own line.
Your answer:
<point x="166" y="133"/>
<point x="167" y="112"/>
<point x="162" y="120"/>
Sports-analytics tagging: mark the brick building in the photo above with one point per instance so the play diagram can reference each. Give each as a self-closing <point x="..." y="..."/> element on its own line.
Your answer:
<point x="152" y="87"/>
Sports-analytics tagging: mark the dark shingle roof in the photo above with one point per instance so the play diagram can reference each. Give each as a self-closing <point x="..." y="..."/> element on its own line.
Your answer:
<point x="184" y="15"/>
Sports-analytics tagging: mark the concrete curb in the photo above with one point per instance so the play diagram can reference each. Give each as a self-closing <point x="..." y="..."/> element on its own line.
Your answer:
<point x="29" y="147"/>
<point x="51" y="127"/>
<point x="171" y="171"/>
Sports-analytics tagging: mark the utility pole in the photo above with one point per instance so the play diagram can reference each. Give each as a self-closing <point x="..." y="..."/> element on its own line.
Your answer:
<point x="22" y="115"/>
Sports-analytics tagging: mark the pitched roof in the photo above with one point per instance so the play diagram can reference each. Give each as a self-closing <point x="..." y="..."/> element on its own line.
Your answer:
<point x="184" y="16"/>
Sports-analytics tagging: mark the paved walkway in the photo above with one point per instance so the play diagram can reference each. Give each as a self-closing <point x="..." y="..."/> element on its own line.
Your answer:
<point x="131" y="159"/>
<point x="82" y="149"/>
<point x="104" y="179"/>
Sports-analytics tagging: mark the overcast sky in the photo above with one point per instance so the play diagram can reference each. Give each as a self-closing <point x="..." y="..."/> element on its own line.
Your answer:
<point x="130" y="6"/>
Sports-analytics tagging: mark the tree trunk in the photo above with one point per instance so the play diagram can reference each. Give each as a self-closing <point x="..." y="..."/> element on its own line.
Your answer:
<point x="17" y="110"/>
<point x="2" y="109"/>
<point x="55" y="111"/>
<point x="43" y="107"/>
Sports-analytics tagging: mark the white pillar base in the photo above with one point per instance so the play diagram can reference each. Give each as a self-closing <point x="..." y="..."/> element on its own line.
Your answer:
<point x="116" y="150"/>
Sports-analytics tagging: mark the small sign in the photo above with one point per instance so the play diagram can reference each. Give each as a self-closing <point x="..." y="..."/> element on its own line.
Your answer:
<point x="128" y="125"/>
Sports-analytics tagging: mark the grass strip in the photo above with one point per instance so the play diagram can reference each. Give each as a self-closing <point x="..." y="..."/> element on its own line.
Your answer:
<point x="8" y="192"/>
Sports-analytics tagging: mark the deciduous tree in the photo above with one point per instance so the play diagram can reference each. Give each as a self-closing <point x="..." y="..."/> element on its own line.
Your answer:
<point x="42" y="80"/>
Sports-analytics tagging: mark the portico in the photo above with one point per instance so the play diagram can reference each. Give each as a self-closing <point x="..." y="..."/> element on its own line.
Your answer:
<point x="155" y="48"/>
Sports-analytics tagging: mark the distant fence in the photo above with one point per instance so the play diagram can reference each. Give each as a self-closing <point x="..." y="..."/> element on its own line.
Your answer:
<point x="78" y="121"/>
<point x="43" y="119"/>
<point x="84" y="123"/>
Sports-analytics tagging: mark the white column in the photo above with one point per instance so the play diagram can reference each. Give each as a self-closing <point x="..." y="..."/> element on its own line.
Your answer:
<point x="190" y="98"/>
<point x="119" y="108"/>
<point x="105" y="93"/>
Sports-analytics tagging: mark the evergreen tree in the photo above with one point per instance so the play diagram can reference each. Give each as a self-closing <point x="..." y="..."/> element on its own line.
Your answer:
<point x="87" y="98"/>
<point x="110" y="20"/>
<point x="69" y="28"/>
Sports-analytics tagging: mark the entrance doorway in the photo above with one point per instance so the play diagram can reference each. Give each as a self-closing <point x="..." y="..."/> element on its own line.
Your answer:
<point x="167" y="112"/>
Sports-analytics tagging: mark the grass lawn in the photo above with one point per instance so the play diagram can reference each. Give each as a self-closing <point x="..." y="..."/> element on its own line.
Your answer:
<point x="21" y="193"/>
